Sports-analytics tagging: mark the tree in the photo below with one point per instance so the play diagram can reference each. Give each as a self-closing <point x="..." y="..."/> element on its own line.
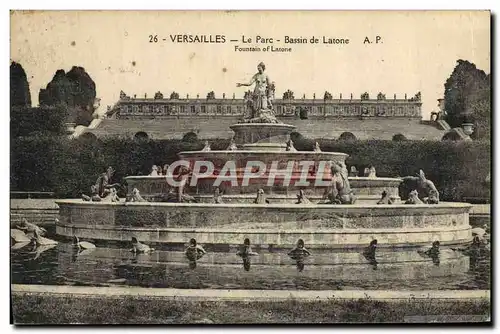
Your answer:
<point x="327" y="96"/>
<point x="76" y="90"/>
<point x="19" y="87"/>
<point x="480" y="113"/>
<point x="45" y="121"/>
<point x="467" y="97"/>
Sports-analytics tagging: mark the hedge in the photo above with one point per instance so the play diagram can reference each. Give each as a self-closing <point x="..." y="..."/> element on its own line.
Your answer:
<point x="68" y="167"/>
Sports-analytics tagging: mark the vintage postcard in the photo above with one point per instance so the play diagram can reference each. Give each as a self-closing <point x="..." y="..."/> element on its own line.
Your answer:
<point x="250" y="167"/>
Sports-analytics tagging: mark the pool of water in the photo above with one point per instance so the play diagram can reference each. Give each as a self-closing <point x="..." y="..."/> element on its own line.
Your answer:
<point x="111" y="265"/>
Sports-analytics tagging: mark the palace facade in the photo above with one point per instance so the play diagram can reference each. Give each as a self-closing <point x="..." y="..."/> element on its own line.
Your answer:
<point x="158" y="107"/>
<point x="363" y="118"/>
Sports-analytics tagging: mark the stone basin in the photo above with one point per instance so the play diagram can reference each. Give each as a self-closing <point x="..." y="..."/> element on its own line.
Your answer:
<point x="241" y="158"/>
<point x="368" y="190"/>
<point x="280" y="225"/>
<point x="265" y="136"/>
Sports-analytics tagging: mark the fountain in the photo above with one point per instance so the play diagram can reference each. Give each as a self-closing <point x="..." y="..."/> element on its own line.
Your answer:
<point x="261" y="160"/>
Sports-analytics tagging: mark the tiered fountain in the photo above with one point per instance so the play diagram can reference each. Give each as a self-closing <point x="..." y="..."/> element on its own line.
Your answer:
<point x="277" y="222"/>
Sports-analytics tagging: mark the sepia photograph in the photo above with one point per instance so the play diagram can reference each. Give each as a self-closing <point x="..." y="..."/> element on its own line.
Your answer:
<point x="222" y="167"/>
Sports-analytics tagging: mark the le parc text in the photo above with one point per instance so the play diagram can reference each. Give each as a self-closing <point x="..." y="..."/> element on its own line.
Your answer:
<point x="296" y="40"/>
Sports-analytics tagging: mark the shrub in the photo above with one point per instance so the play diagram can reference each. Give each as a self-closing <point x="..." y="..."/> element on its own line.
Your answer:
<point x="68" y="168"/>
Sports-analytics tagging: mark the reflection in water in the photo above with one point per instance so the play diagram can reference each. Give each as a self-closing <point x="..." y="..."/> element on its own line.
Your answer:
<point x="299" y="254"/>
<point x="432" y="253"/>
<point x="479" y="258"/>
<point x="300" y="263"/>
<point x="246" y="249"/>
<point x="371" y="260"/>
<point x="246" y="262"/>
<point x="327" y="269"/>
<point x="370" y="252"/>
<point x="38" y="250"/>
<point x="194" y="252"/>
<point x="77" y="252"/>
<point x="435" y="259"/>
<point x="20" y="245"/>
<point x="245" y="252"/>
<point x="192" y="264"/>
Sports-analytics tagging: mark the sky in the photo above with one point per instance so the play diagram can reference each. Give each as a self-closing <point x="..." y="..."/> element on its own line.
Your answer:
<point x="417" y="51"/>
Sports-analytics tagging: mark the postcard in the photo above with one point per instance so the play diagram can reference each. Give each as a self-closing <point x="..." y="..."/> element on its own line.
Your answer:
<point x="250" y="167"/>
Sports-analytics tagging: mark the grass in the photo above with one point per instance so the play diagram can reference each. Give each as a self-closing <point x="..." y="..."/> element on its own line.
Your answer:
<point x="46" y="309"/>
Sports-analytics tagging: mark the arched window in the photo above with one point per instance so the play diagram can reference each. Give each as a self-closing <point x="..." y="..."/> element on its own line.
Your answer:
<point x="398" y="137"/>
<point x="347" y="136"/>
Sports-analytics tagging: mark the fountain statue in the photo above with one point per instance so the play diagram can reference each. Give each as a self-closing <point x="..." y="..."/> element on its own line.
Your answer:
<point x="261" y="198"/>
<point x="154" y="171"/>
<point x="258" y="186"/>
<point x="302" y="199"/>
<point x="232" y="145"/>
<point x="386" y="199"/>
<point x="425" y="187"/>
<point x="136" y="196"/>
<point x="353" y="172"/>
<point x="182" y="178"/>
<point x="290" y="147"/>
<point x="413" y="198"/>
<point x="316" y="147"/>
<point x="206" y="148"/>
<point x="263" y="94"/>
<point x="102" y="187"/>
<point x="340" y="191"/>
<point x="372" y="172"/>
<point x="217" y="196"/>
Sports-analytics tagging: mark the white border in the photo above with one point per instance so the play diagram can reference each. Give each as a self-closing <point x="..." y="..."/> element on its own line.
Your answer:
<point x="200" y="4"/>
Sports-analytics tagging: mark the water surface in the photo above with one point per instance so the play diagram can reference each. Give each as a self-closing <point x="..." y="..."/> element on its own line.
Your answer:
<point x="399" y="269"/>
